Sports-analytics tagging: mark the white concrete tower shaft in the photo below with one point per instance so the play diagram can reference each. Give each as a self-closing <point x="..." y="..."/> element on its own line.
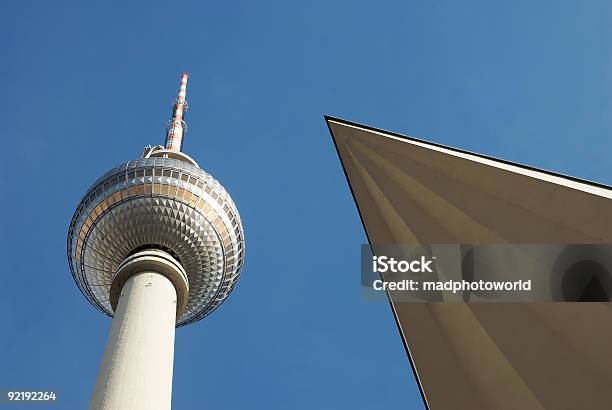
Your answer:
<point x="149" y="291"/>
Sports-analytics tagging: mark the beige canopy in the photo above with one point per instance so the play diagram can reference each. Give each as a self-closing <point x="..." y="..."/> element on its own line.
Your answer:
<point x="485" y="355"/>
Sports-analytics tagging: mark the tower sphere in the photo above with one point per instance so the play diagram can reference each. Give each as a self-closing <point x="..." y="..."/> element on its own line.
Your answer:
<point x="162" y="201"/>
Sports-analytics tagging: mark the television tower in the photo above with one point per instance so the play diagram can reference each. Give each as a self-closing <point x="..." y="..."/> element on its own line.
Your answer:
<point x="155" y="243"/>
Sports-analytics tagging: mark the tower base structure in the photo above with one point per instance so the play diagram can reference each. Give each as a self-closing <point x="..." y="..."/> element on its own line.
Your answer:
<point x="148" y="294"/>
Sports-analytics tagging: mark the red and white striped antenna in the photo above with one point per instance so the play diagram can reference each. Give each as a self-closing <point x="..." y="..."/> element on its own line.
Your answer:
<point x="176" y="128"/>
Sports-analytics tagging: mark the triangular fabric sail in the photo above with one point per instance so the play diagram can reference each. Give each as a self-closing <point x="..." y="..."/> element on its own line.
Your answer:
<point x="485" y="355"/>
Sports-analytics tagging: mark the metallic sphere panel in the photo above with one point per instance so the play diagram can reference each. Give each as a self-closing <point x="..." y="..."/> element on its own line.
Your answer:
<point x="164" y="203"/>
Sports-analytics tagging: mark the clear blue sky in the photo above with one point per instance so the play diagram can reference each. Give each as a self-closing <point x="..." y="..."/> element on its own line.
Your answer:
<point x="86" y="85"/>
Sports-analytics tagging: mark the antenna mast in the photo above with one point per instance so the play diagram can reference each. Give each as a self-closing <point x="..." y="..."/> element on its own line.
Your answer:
<point x="176" y="128"/>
